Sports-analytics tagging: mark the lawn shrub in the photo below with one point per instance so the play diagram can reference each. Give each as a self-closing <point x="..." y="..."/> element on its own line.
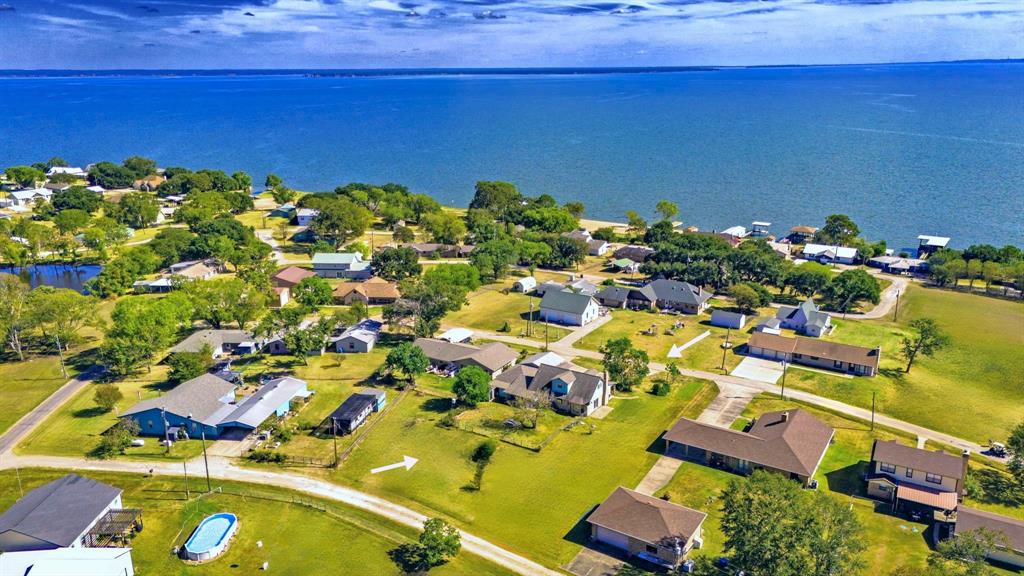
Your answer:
<point x="661" y="388"/>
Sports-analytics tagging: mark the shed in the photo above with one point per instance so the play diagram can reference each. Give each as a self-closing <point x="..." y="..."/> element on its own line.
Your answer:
<point x="726" y="319"/>
<point x="524" y="285"/>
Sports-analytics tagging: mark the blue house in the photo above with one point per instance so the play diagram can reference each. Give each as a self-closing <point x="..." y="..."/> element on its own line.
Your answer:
<point x="208" y="405"/>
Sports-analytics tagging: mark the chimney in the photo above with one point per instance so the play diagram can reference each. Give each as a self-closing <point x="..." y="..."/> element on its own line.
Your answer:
<point x="785" y="416"/>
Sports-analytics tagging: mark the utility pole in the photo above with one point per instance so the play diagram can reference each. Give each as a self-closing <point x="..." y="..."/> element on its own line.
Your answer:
<point x="167" y="433"/>
<point x="872" y="410"/>
<point x="184" y="464"/>
<point x="783" y="394"/>
<point x="60" y="352"/>
<point x="529" y="321"/>
<point x="896" y="309"/>
<point x="17" y="471"/>
<point x="725" y="347"/>
<point x="206" y="463"/>
<point x="545" y="335"/>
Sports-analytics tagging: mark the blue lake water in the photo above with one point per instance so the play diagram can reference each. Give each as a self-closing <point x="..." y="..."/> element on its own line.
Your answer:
<point x="57" y="275"/>
<point x="905" y="150"/>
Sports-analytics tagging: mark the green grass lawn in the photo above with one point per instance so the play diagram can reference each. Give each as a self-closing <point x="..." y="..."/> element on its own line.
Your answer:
<point x="489" y="309"/>
<point x="703" y="355"/>
<point x="529" y="501"/>
<point x="890" y="540"/>
<point x="296" y="539"/>
<point x="23" y="385"/>
<point x="980" y="375"/>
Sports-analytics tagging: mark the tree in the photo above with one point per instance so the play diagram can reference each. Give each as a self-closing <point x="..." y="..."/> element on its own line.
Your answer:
<point x="403" y="234"/>
<point x="809" y="278"/>
<point x="771" y="524"/>
<point x="965" y="554"/>
<point x="407" y="359"/>
<point x="140" y="328"/>
<point x="71" y="221"/>
<point x="272" y="181"/>
<point x="61" y="313"/>
<point x="472" y="385"/>
<point x="493" y="257"/>
<point x="282" y="194"/>
<point x="745" y="297"/>
<point x="188" y="365"/>
<point x="56" y="161"/>
<point x="140" y="167"/>
<point x="566" y="252"/>
<point x="14" y="295"/>
<point x="243" y="181"/>
<point x="426" y="299"/>
<point x="110" y="176"/>
<point x="441" y="541"/>
<point x="850" y="287"/>
<point x="25" y="176"/>
<point x="107" y="396"/>
<point x="76" y="197"/>
<point x="666" y="209"/>
<point x="137" y="209"/>
<point x="1015" y="446"/>
<point x="222" y="300"/>
<point x="444" y="227"/>
<point x="313" y="292"/>
<point x="548" y="219"/>
<point x="341" y="220"/>
<point x="497" y="197"/>
<point x="839" y="229"/>
<point x="575" y="208"/>
<point x="303" y="342"/>
<point x="117" y="439"/>
<point x="928" y="338"/>
<point x="626" y="365"/>
<point x="396" y="264"/>
<point x="635" y="223"/>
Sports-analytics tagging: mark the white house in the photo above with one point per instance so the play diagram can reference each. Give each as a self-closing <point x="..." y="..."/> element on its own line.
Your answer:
<point x="29" y="197"/>
<point x="62" y="561"/>
<point x="341" y="265"/>
<point x="806" y="319"/>
<point x="305" y="216"/>
<point x="568" y="308"/>
<point x="830" y="254"/>
<point x="70" y="170"/>
<point x="524" y="285"/>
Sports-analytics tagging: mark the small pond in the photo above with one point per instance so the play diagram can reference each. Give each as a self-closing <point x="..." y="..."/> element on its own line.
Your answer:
<point x="56" y="275"/>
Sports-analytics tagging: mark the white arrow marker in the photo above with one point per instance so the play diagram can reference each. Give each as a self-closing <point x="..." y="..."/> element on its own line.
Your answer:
<point x="407" y="462"/>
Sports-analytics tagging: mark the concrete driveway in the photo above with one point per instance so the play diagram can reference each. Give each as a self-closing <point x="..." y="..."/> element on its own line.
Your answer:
<point x="760" y="369"/>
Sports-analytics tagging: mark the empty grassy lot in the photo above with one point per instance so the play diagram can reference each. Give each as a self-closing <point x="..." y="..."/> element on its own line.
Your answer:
<point x="297" y="539"/>
<point x="529" y="501"/>
<point x="891" y="541"/>
<point x="980" y="376"/>
<point x="490" y="309"/>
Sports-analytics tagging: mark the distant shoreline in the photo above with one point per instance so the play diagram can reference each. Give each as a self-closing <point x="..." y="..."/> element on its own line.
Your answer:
<point x="412" y="72"/>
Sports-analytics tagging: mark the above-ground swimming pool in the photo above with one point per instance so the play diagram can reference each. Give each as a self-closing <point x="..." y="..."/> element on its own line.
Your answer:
<point x="211" y="536"/>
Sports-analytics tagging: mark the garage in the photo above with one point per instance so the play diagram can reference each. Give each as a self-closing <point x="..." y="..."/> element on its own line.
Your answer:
<point x="612" y="538"/>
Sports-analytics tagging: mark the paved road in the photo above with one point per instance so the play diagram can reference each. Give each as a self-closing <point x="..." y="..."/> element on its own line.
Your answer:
<point x="222" y="469"/>
<point x="22" y="427"/>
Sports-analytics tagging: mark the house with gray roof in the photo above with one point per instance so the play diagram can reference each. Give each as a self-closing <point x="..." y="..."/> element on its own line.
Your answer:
<point x="807" y="319"/>
<point x="448" y="357"/>
<point x="359" y="338"/>
<point x="208" y="405"/>
<point x="341" y="265"/>
<point x="1009" y="548"/>
<point x="662" y="294"/>
<point x="649" y="528"/>
<point x="221" y="342"/>
<point x="569" y="308"/>
<point x="58" y="514"/>
<point x="791" y="442"/>
<point x="570" y="388"/>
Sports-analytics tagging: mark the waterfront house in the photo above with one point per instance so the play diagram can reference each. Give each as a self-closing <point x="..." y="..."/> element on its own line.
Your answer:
<point x="801" y="234"/>
<point x="57" y="186"/>
<point x="649" y="528"/>
<point x="807" y="319"/>
<point x="96" y="189"/>
<point x="341" y="265"/>
<point x="727" y="319"/>
<point x="207" y="405"/>
<point x="914" y="479"/>
<point x="790" y="442"/>
<point x="221" y="342"/>
<point x="927" y="245"/>
<point x="829" y="254"/>
<point x="289" y="277"/>
<point x="569" y="308"/>
<point x="760" y="229"/>
<point x="524" y="285"/>
<point x="570" y="388"/>
<point x="597" y="247"/>
<point x="373" y="291"/>
<point x="856" y="360"/>
<point x="735" y="232"/>
<point x="359" y="338"/>
<point x="305" y="216"/>
<point x="70" y="512"/>
<point x="29" y="197"/>
<point x="69" y="170"/>
<point x="634" y="252"/>
<point x="149" y="183"/>
<point x="448" y="357"/>
<point x="898" y="265"/>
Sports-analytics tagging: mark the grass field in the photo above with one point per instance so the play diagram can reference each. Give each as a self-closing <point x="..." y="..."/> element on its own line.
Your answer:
<point x="23" y="385"/>
<point x="980" y="375"/>
<point x="296" y="539"/>
<point x="891" y="541"/>
<point x="490" y="309"/>
<point x="529" y="501"/>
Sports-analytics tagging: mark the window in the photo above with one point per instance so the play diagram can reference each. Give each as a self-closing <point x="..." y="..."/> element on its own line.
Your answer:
<point x="837" y="364"/>
<point x="933" y="478"/>
<point x="149" y="424"/>
<point x="910" y="472"/>
<point x="652" y="549"/>
<point x="889" y="468"/>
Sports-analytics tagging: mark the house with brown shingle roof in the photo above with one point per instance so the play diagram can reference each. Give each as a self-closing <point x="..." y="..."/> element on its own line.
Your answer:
<point x="290" y="276"/>
<point x="445" y="356"/>
<point x="1009" y="548"/>
<point x="569" y="388"/>
<point x="647" y="527"/>
<point x="373" y="291"/>
<point x="914" y="479"/>
<point x="856" y="360"/>
<point x="791" y="442"/>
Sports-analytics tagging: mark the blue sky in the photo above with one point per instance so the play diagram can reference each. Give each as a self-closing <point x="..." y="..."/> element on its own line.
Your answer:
<point x="487" y="33"/>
